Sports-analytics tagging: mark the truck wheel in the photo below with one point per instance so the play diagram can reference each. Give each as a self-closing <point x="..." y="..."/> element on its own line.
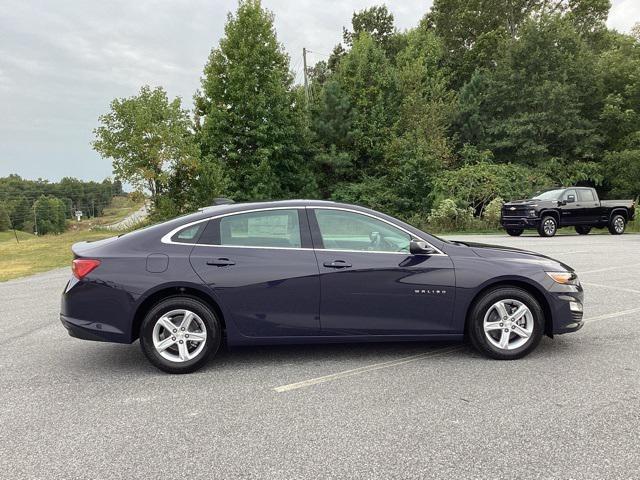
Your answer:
<point x="548" y="226"/>
<point x="582" y="229"/>
<point x="515" y="232"/>
<point x="617" y="225"/>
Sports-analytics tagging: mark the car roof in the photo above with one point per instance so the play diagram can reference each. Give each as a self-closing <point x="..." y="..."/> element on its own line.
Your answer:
<point x="238" y="207"/>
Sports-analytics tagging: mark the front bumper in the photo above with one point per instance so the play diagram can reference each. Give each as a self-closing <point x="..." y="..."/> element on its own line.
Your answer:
<point x="567" y="309"/>
<point x="520" y="222"/>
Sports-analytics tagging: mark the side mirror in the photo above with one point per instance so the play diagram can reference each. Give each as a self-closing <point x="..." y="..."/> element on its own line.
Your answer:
<point x="571" y="198"/>
<point x="418" y="247"/>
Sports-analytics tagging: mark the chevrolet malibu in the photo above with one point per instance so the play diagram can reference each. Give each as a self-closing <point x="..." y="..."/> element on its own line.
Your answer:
<point x="308" y="271"/>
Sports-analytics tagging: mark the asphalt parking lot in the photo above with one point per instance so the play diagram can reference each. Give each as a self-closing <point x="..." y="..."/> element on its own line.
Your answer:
<point x="77" y="409"/>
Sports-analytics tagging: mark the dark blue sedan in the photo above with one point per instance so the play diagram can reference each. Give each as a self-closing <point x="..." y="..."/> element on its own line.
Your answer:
<point x="306" y="271"/>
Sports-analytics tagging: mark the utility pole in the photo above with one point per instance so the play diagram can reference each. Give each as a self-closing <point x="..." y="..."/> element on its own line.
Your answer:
<point x="306" y="80"/>
<point x="14" y="230"/>
<point x="35" y="219"/>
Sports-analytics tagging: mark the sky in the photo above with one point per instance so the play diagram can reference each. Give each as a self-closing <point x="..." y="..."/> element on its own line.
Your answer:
<point x="61" y="63"/>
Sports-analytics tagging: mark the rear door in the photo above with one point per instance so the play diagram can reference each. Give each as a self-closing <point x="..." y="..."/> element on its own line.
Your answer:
<point x="262" y="269"/>
<point x="371" y="285"/>
<point x="590" y="205"/>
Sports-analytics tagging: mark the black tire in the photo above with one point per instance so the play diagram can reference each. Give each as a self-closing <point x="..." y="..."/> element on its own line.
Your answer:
<point x="548" y="226"/>
<point x="583" y="229"/>
<point x="617" y="224"/>
<point x="475" y="323"/>
<point x="515" y="232"/>
<point x="211" y="324"/>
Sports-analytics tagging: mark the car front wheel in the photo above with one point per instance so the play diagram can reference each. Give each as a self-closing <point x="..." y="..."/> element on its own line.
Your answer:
<point x="179" y="334"/>
<point x="506" y="323"/>
<point x="548" y="226"/>
<point x="515" y="232"/>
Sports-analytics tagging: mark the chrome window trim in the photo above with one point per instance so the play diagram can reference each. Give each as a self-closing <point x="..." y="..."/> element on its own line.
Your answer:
<point x="166" y="239"/>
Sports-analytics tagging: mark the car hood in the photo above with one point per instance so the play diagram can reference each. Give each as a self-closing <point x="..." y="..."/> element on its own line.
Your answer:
<point x="530" y="202"/>
<point x="516" y="254"/>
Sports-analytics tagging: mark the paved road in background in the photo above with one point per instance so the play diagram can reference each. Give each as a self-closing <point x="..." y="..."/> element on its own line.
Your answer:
<point x="130" y="220"/>
<point x="76" y="409"/>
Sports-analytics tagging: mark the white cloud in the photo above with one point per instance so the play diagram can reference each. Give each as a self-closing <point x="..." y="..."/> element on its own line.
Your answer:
<point x="62" y="63"/>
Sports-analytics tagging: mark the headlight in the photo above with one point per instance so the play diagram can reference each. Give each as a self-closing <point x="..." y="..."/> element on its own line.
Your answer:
<point x="565" y="278"/>
<point x="532" y="213"/>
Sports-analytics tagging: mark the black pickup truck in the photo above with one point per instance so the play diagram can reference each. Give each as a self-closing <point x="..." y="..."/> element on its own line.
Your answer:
<point x="577" y="207"/>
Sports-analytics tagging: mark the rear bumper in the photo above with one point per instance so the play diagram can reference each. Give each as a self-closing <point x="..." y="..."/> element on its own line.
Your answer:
<point x="96" y="311"/>
<point x="87" y="330"/>
<point x="520" y="222"/>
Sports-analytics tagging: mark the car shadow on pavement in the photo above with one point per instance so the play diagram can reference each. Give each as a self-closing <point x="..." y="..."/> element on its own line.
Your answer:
<point x="128" y="359"/>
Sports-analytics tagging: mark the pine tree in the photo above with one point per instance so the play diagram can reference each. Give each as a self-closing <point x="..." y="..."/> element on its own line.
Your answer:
<point x="251" y="120"/>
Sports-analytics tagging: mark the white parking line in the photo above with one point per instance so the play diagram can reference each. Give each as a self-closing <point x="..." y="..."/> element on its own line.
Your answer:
<point x="608" y="269"/>
<point x="365" y="369"/>
<point x="611" y="287"/>
<point x="611" y="315"/>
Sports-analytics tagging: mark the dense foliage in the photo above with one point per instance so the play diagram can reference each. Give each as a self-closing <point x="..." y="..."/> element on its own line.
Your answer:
<point x="483" y="99"/>
<point x="25" y="202"/>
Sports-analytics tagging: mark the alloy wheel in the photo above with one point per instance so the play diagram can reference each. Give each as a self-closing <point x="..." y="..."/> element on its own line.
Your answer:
<point x="618" y="224"/>
<point x="508" y="324"/>
<point x="179" y="335"/>
<point x="549" y="226"/>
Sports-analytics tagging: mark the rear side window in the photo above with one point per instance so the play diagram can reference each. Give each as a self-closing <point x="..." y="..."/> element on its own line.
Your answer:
<point x="188" y="234"/>
<point x="586" y="196"/>
<point x="269" y="228"/>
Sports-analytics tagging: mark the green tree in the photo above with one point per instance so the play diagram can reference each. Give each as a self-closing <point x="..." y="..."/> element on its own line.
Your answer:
<point x="541" y="100"/>
<point x="477" y="184"/>
<point x="419" y="147"/>
<point x="250" y="118"/>
<point x="148" y="138"/>
<point x="366" y="78"/>
<point x="20" y="212"/>
<point x="49" y="215"/>
<point x="475" y="31"/>
<point x="378" y="23"/>
<point x="5" y="221"/>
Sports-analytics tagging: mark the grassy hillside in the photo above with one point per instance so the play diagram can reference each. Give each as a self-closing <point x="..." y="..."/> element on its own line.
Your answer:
<point x="38" y="254"/>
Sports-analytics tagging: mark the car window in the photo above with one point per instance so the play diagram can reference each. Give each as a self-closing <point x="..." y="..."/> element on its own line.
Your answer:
<point x="269" y="228"/>
<point x="566" y="194"/>
<point x="586" y="196"/>
<point x="549" y="195"/>
<point x="342" y="230"/>
<point x="188" y="234"/>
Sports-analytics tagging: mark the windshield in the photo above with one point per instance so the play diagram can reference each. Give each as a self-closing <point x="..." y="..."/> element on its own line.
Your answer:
<point x="550" y="195"/>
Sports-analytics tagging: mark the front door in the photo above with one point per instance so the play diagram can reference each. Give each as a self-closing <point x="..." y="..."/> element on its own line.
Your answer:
<point x="263" y="271"/>
<point x="371" y="285"/>
<point x="572" y="211"/>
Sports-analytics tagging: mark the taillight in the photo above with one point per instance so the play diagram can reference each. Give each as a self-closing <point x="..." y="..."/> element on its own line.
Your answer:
<point x="81" y="267"/>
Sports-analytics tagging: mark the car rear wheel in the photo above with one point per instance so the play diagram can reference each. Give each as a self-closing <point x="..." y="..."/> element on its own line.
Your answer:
<point x="515" y="232"/>
<point x="506" y="323"/>
<point x="179" y="334"/>
<point x="548" y="226"/>
<point x="617" y="225"/>
<point x="582" y="229"/>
